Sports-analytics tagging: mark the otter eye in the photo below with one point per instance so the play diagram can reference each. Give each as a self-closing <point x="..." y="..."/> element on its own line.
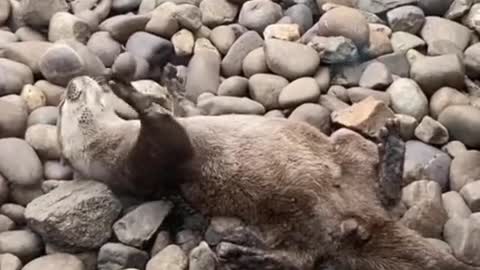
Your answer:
<point x="72" y="92"/>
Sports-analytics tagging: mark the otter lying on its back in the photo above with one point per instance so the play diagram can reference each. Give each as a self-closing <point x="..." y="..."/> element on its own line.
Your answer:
<point x="309" y="199"/>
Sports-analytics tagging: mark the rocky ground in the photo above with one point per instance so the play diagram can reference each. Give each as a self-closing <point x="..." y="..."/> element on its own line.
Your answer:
<point x="331" y="63"/>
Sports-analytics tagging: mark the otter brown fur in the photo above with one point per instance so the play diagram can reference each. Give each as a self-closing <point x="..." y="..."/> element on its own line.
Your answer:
<point x="309" y="200"/>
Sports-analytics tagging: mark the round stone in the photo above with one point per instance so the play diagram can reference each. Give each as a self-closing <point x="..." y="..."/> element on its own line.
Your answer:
<point x="34" y="97"/>
<point x="13" y="116"/>
<point x="464" y="169"/>
<point x="255" y="63"/>
<point x="105" y="47"/>
<point x="60" y="64"/>
<point x="15" y="152"/>
<point x="258" y="14"/>
<point x="444" y="97"/>
<point x="217" y="12"/>
<point x="22" y="243"/>
<point x="15" y="212"/>
<point x="300" y="91"/>
<point x="407" y="98"/>
<point x="265" y="88"/>
<point x="43" y="138"/>
<point x="314" y="114"/>
<point x="463" y="123"/>
<point x="234" y="86"/>
<point x="43" y="115"/>
<point x="59" y="261"/>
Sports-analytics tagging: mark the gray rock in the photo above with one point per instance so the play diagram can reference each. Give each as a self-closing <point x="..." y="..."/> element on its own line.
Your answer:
<point x="444" y="97"/>
<point x="183" y="42"/>
<point x="4" y="11"/>
<point x="464" y="169"/>
<point x="463" y="123"/>
<point x="408" y="124"/>
<point x="403" y="41"/>
<point x="266" y="88"/>
<point x="203" y="74"/>
<point x="43" y="138"/>
<point x="123" y="6"/>
<point x="217" y="12"/>
<point x="59" y="261"/>
<point x="170" y="258"/>
<point x="154" y="49"/>
<point x="299" y="91"/>
<point x="14" y="76"/>
<point x="471" y="194"/>
<point x="23" y="195"/>
<point x="313" y="114"/>
<point x="438" y="29"/>
<point x="458" y="8"/>
<point x="43" y="115"/>
<point x="15" y="151"/>
<point x="432" y="73"/>
<point x="55" y="170"/>
<point x="6" y="224"/>
<point x="406" y="18"/>
<point x="60" y="63"/>
<point x="4" y="190"/>
<point x="302" y="15"/>
<point x="379" y="44"/>
<point x="407" y="98"/>
<point x="463" y="235"/>
<point x="357" y="94"/>
<point x="127" y="66"/>
<point x="454" y="148"/>
<point x="220" y="227"/>
<point x="27" y="52"/>
<point x="255" y="63"/>
<point x="431" y="131"/>
<point x="163" y="21"/>
<point x="138" y="226"/>
<point x="423" y="161"/>
<point x="472" y="61"/>
<point x="290" y="59"/>
<point x="16" y="19"/>
<point x="52" y="92"/>
<point x="232" y="62"/>
<point x="121" y="27"/>
<point x="203" y="44"/>
<point x="189" y="16"/>
<point x="275" y="114"/>
<point x="64" y="25"/>
<point x="282" y="30"/>
<point x="397" y="63"/>
<point x="39" y="13"/>
<point x="33" y="96"/>
<point x="187" y="239"/>
<point x="13" y="116"/>
<point x="10" y="262"/>
<point x="202" y="258"/>
<point x="223" y="38"/>
<point x="332" y="103"/>
<point x="49" y="185"/>
<point x="116" y="256"/>
<point x="376" y="76"/>
<point x="472" y="19"/>
<point x="162" y="240"/>
<point x="234" y="86"/>
<point x="382" y="6"/>
<point x="105" y="47"/>
<point x="258" y="14"/>
<point x="422" y="190"/>
<point x="334" y="50"/>
<point x="435" y="7"/>
<point x="230" y="105"/>
<point x="23" y="244"/>
<point x="61" y="217"/>
<point x="455" y="205"/>
<point x="339" y="92"/>
<point x="7" y="37"/>
<point x="322" y="76"/>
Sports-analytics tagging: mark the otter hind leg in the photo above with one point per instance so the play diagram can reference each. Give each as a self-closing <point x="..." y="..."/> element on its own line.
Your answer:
<point x="392" y="154"/>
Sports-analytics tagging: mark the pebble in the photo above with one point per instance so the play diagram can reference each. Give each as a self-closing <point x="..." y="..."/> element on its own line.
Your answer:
<point x="445" y="97"/>
<point x="403" y="41"/>
<point x="463" y="123"/>
<point x="471" y="194"/>
<point x="290" y="59"/>
<point x="60" y="63"/>
<point x="431" y="131"/>
<point x="407" y="98"/>
<point x="202" y="258"/>
<point x="472" y="18"/>
<point x="322" y="76"/>
<point x="313" y="114"/>
<point x="162" y="240"/>
<point x="59" y="261"/>
<point x="13" y="116"/>
<point x="121" y="27"/>
<point x="170" y="258"/>
<point x="4" y="11"/>
<point x="34" y="97"/>
<point x="10" y="262"/>
<point x="235" y="86"/>
<point x="472" y="61"/>
<point x="183" y="42"/>
<point x="14" y="151"/>
<point x="14" y="76"/>
<point x="64" y="25"/>
<point x="218" y="12"/>
<point x="299" y="91"/>
<point x="282" y="31"/>
<point x="39" y="13"/>
<point x="43" y="138"/>
<point x="464" y="169"/>
<point x="104" y="47"/>
<point x="438" y="29"/>
<point x="232" y="62"/>
<point x="419" y="191"/>
<point x="23" y="244"/>
<point x="116" y="256"/>
<point x="187" y="240"/>
<point x="52" y="92"/>
<point x="255" y="63"/>
<point x="223" y="38"/>
<point x="70" y="216"/>
<point x="27" y="52"/>
<point x="123" y="6"/>
<point x="55" y="170"/>
<point x="7" y="37"/>
<point x="458" y="9"/>
<point x="203" y="74"/>
<point x="396" y="63"/>
<point x="408" y="124"/>
<point x="435" y="7"/>
<point x="339" y="92"/>
<point x="376" y="76"/>
<point x="152" y="48"/>
<point x="15" y="212"/>
<point x="357" y="94"/>
<point x="258" y="14"/>
<point x="265" y="89"/>
<point x="332" y="103"/>
<point x="454" y="148"/>
<point x="6" y="224"/>
<point x="23" y="195"/>
<point x="379" y="44"/>
<point x="455" y="205"/>
<point x="409" y="19"/>
<point x="463" y="236"/>
<point x="163" y="21"/>
<point x="189" y="16"/>
<point x="334" y="50"/>
<point x="374" y="6"/>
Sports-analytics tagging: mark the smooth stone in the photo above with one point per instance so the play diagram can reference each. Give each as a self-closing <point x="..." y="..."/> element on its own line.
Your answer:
<point x="203" y="75"/>
<point x="202" y="258"/>
<point x="471" y="194"/>
<point x="39" y="13"/>
<point x="255" y="63"/>
<point x="379" y="44"/>
<point x="464" y="169"/>
<point x="408" y="124"/>
<point x="203" y="44"/>
<point x="14" y="76"/>
<point x="183" y="42"/>
<point x="455" y="205"/>
<point x="49" y="185"/>
<point x="7" y="37"/>
<point x="472" y="61"/>
<point x="170" y="258"/>
<point x="339" y="92"/>
<point x="23" y="195"/>
<point x="233" y="60"/>
<point x="409" y="19"/>
<point x="235" y="86"/>
<point x="332" y="103"/>
<point x="313" y="114"/>
<point x="116" y="256"/>
<point x="334" y="50"/>
<point x="154" y="49"/>
<point x="403" y="41"/>
<point x="283" y="31"/>
<point x="223" y="38"/>
<point x="52" y="92"/>
<point x="4" y="190"/>
<point x="59" y="261"/>
<point x="376" y="76"/>
<point x="258" y="14"/>
<point x="301" y="15"/>
<point x="463" y="123"/>
<point x="472" y="18"/>
<point x="437" y="29"/>
<point x="60" y="63"/>
<point x="55" y="170"/>
<point x="121" y="27"/>
<point x="14" y="151"/>
<point x="4" y="11"/>
<point x="445" y="97"/>
<point x="34" y="97"/>
<point x="64" y="25"/>
<point x="266" y="88"/>
<point x="162" y="240"/>
<point x="187" y="240"/>
<point x="458" y="9"/>
<point x="10" y="262"/>
<point x="104" y="47"/>
<point x="374" y="6"/>
<point x="435" y="7"/>
<point x="123" y="6"/>
<point x="396" y="63"/>
<point x="463" y="236"/>
<point x="163" y="21"/>
<point x="300" y="91"/>
<point x="27" y="52"/>
<point x="454" y="148"/>
<point x="219" y="105"/>
<point x="13" y="116"/>
<point x="431" y="131"/>
<point x="43" y="138"/>
<point x="6" y="224"/>
<point x="407" y="98"/>
<point x="217" y="12"/>
<point x="24" y="244"/>
<point x="189" y="16"/>
<point x="357" y="94"/>
<point x="322" y="77"/>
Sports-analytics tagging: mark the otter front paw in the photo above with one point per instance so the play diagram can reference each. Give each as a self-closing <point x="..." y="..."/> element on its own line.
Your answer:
<point x="138" y="101"/>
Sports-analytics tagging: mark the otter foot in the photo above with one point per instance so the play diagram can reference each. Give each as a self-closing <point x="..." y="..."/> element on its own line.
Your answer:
<point x="244" y="236"/>
<point x="139" y="102"/>
<point x="391" y="150"/>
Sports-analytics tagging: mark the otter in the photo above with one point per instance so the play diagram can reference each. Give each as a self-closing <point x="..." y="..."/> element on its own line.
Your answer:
<point x="309" y="201"/>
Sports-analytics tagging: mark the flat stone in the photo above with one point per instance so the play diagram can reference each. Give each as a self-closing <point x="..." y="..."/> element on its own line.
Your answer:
<point x="301" y="15"/>
<point x="4" y="190"/>
<point x="431" y="131"/>
<point x="421" y="190"/>
<point x="379" y="44"/>
<point x="322" y="76"/>
<point x="406" y="18"/>
<point x="187" y="240"/>
<point x="407" y="98"/>
<point x="458" y="9"/>
<point x="436" y="29"/>
<point x="116" y="256"/>
<point x="463" y="123"/>
<point x="300" y="91"/>
<point x="44" y="139"/>
<point x="57" y="261"/>
<point x="219" y="105"/>
<point x="121" y="27"/>
<point x="258" y="14"/>
<point x="396" y="63"/>
<point x="339" y="92"/>
<point x="27" y="52"/>
<point x="313" y="114"/>
<point x="332" y="103"/>
<point x="357" y="94"/>
<point x="266" y="88"/>
<point x="464" y="169"/>
<point x="15" y="151"/>
<point x="376" y="76"/>
<point x="123" y="6"/>
<point x="170" y="258"/>
<point x="23" y="244"/>
<point x="232" y="62"/>
<point x="445" y="97"/>
<point x="403" y="41"/>
<point x="203" y="74"/>
<point x="463" y="235"/>
<point x="455" y="205"/>
<point x="472" y="18"/>
<point x="6" y="224"/>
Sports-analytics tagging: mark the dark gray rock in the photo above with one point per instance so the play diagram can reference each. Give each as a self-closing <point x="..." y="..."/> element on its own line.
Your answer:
<point x="121" y="27"/>
<point x="220" y="227"/>
<point x="14" y="76"/>
<point x="464" y="169"/>
<point x="444" y="97"/>
<point x="431" y="131"/>
<point x="187" y="240"/>
<point x="334" y="50"/>
<point x="43" y="115"/>
<point x="23" y="244"/>
<point x="116" y="256"/>
<point x="299" y="91"/>
<point x="170" y="258"/>
<point x="154" y="49"/>
<point x="463" y="123"/>
<point x="266" y="88"/>
<point x="38" y="13"/>
<point x="234" y="86"/>
<point x="105" y="47"/>
<point x="59" y="261"/>
<point x="232" y="62"/>
<point x="313" y="114"/>
<point x="15" y="151"/>
<point x="438" y="29"/>
<point x="13" y="116"/>
<point x="203" y="74"/>
<point x="258" y="14"/>
<point x="406" y="18"/>
<point x="376" y="76"/>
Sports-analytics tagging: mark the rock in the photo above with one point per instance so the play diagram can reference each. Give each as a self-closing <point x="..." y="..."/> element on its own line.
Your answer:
<point x="59" y="261"/>
<point x="234" y="86"/>
<point x="28" y="53"/>
<point x="289" y="59"/>
<point x="255" y="63"/>
<point x="396" y="63"/>
<point x="472" y="61"/>
<point x="7" y="37"/>
<point x="13" y="116"/>
<point x="121" y="27"/>
<point x="454" y="148"/>
<point x="368" y="116"/>
<point x="202" y="258"/>
<point x="339" y="92"/>
<point x="435" y="7"/>
<point x="187" y="240"/>
<point x="23" y="195"/>
<point x="376" y="76"/>
<point x="163" y="21"/>
<point x="9" y="261"/>
<point x="52" y="92"/>
<point x="407" y="98"/>
<point x="382" y="6"/>
<point x="463" y="236"/>
<point x="440" y="245"/>
<point x="431" y="131"/>
<point x="232" y="62"/>
<point x="222" y="37"/>
<point x="403" y="41"/>
<point x="445" y="97"/>
<point x="26" y="33"/>
<point x="266" y="88"/>
<point x="332" y="103"/>
<point x="154" y="49"/>
<point x="203" y="44"/>
<point x="458" y="8"/>
<point x="39" y="13"/>
<point x="432" y="73"/>
<point x="462" y="122"/>
<point x="162" y="240"/>
<point x="422" y="190"/>
<point x="283" y="31"/>
<point x="258" y="14"/>
<point x="15" y="151"/>
<point x="301" y="15"/>
<point x="60" y="64"/>
<point x="21" y="243"/>
<point x="55" y="170"/>
<point x="334" y="50"/>
<point x="60" y="216"/>
<point x="104" y="47"/>
<point x="300" y="91"/>
<point x="34" y="97"/>
<point x="438" y="29"/>
<point x="409" y="19"/>
<point x="116" y="256"/>
<point x="408" y="124"/>
<point x="64" y="25"/>
<point x="217" y="12"/>
<point x="472" y="18"/>
<point x="357" y="94"/>
<point x="203" y="74"/>
<point x="314" y="115"/>
<point x="219" y="227"/>
<point x="170" y="258"/>
<point x="14" y="76"/>
<point x="455" y="205"/>
<point x="230" y="105"/>
<point x="464" y="169"/>
<point x="423" y="161"/>
<point x="189" y="16"/>
<point x="379" y="44"/>
<point x="6" y="224"/>
<point x="43" y="138"/>
<point x="4" y="11"/>
<point x="123" y="6"/>
<point x="322" y="76"/>
<point x="471" y="194"/>
<point x="4" y="190"/>
<point x="347" y="22"/>
<point x="183" y="42"/>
